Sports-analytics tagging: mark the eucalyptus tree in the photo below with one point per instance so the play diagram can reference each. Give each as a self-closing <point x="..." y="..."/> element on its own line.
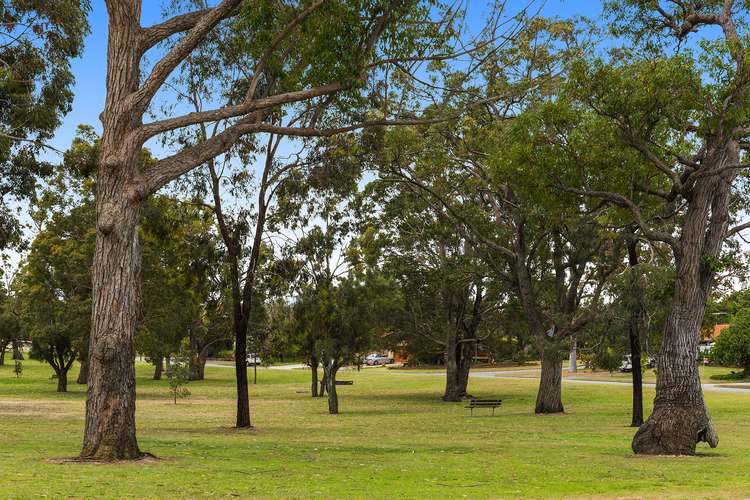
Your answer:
<point x="328" y="52"/>
<point x="444" y="284"/>
<point x="678" y="96"/>
<point x="54" y="290"/>
<point x="496" y="181"/>
<point x="37" y="42"/>
<point x="11" y="330"/>
<point x="345" y="301"/>
<point x="182" y="297"/>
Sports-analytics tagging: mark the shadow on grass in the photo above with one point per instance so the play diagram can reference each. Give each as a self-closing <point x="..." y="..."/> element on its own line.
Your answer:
<point x="209" y="431"/>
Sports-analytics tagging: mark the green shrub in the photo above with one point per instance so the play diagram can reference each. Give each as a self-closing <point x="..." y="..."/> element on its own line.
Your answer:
<point x="608" y="359"/>
<point x="178" y="374"/>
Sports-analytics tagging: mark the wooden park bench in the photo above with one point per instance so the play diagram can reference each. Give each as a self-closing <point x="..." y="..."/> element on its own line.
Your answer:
<point x="345" y="382"/>
<point x="484" y="403"/>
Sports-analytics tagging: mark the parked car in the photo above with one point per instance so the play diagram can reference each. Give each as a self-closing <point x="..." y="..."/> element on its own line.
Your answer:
<point x="627" y="364"/>
<point x="253" y="359"/>
<point x="376" y="359"/>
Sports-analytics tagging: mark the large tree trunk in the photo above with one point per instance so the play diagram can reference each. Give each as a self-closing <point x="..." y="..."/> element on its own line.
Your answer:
<point x="158" y="368"/>
<point x="680" y="418"/>
<point x="110" y="407"/>
<point x="83" y="373"/>
<point x="314" y="376"/>
<point x="549" y="396"/>
<point x="636" y="314"/>
<point x="3" y="347"/>
<point x="333" y="397"/>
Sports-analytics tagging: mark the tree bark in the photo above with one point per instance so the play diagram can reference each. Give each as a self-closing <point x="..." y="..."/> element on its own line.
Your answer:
<point x="636" y="314"/>
<point x="3" y="347"/>
<point x="110" y="408"/>
<point x="573" y="356"/>
<point x="323" y="384"/>
<point x="680" y="417"/>
<point x="158" y="368"/>
<point x="62" y="380"/>
<point x="83" y="373"/>
<point x="197" y="367"/>
<point x="452" y="390"/>
<point x="466" y="350"/>
<point x="17" y="353"/>
<point x="330" y="377"/>
<point x="549" y="396"/>
<point x="314" y="376"/>
<point x="240" y="369"/>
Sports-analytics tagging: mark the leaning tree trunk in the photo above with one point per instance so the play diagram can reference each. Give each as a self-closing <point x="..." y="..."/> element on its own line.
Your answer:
<point x="549" y="396"/>
<point x="330" y="377"/>
<point x="83" y="373"/>
<point x="158" y="368"/>
<point x="636" y="314"/>
<point x="680" y="417"/>
<point x="323" y="384"/>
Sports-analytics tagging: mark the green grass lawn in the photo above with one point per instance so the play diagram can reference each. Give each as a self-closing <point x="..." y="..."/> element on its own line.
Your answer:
<point x="393" y="439"/>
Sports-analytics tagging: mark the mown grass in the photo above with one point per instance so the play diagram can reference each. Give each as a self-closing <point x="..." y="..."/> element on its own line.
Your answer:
<point x="393" y="439"/>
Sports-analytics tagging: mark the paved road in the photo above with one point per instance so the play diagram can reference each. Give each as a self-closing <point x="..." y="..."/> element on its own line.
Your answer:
<point x="507" y="374"/>
<point x="230" y="364"/>
<point x="514" y="375"/>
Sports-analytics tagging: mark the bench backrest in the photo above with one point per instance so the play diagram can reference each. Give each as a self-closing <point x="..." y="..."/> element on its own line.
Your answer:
<point x="486" y="402"/>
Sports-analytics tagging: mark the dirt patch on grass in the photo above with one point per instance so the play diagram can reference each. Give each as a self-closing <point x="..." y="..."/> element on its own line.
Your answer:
<point x="146" y="459"/>
<point x="51" y="411"/>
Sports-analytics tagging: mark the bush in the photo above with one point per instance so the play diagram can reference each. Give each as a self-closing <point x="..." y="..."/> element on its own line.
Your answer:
<point x="178" y="374"/>
<point x="729" y="376"/>
<point x="732" y="348"/>
<point x="608" y="359"/>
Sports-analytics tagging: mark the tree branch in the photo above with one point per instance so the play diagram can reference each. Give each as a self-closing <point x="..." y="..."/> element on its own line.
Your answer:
<point x="162" y="69"/>
<point x="622" y="201"/>
<point x="154" y="34"/>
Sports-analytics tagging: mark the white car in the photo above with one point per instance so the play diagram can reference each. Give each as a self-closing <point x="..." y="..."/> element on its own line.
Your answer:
<point x="253" y="359"/>
<point x="627" y="364"/>
<point x="377" y="359"/>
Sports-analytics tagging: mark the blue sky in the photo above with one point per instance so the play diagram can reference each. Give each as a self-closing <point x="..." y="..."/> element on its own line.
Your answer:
<point x="90" y="70"/>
